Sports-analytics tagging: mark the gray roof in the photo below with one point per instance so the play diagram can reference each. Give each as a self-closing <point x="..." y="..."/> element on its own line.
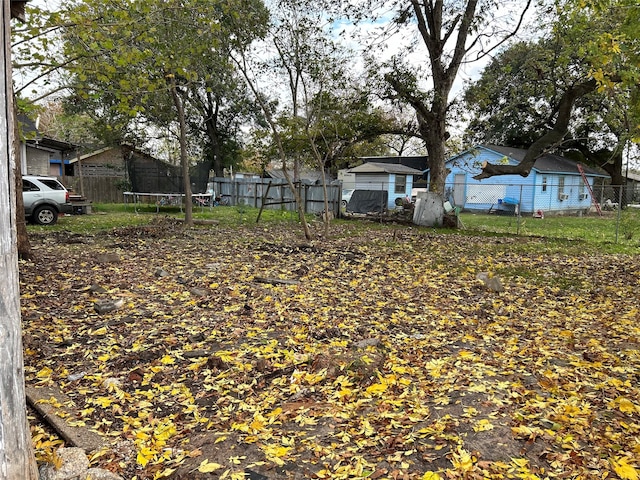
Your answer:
<point x="375" y="167"/>
<point x="419" y="162"/>
<point x="547" y="163"/>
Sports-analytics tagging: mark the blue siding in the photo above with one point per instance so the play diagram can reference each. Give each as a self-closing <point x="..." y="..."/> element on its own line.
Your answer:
<point x="546" y="191"/>
<point x="392" y="189"/>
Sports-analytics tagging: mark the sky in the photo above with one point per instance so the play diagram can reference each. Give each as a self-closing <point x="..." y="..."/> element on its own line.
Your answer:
<point x="467" y="72"/>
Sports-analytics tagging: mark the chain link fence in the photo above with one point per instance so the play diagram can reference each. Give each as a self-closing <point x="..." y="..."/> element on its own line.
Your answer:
<point x="605" y="213"/>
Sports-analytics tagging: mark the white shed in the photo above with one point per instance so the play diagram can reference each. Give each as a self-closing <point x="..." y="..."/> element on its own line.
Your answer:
<point x="395" y="179"/>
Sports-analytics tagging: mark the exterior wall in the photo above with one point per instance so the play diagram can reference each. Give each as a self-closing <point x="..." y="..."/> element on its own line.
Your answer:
<point x="500" y="192"/>
<point x="348" y="179"/>
<point x="372" y="181"/>
<point x="480" y="195"/>
<point x="574" y="195"/>
<point x="41" y="159"/>
<point x="393" y="195"/>
<point x="37" y="161"/>
<point x="104" y="164"/>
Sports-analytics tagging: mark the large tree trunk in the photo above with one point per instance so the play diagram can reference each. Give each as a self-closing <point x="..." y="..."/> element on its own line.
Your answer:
<point x="435" y="136"/>
<point x="211" y="126"/>
<point x="15" y="440"/>
<point x="550" y="139"/>
<point x="216" y="152"/>
<point x="440" y="28"/>
<point x="618" y="181"/>
<point x="24" y="246"/>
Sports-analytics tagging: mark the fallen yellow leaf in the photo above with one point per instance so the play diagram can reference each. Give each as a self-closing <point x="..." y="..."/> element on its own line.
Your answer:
<point x="623" y="469"/>
<point x="208" y="467"/>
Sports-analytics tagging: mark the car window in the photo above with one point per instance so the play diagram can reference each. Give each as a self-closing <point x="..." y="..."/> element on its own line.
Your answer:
<point x="52" y="184"/>
<point x="27" y="186"/>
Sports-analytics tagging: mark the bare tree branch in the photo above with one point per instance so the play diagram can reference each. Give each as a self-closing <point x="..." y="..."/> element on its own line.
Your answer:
<point x="551" y="138"/>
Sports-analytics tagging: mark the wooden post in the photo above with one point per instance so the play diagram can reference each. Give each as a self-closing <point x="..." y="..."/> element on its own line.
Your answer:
<point x="80" y="174"/>
<point x="15" y="440"/>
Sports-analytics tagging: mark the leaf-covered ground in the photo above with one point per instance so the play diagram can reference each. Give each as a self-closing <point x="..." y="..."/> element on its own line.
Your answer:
<point x="386" y="359"/>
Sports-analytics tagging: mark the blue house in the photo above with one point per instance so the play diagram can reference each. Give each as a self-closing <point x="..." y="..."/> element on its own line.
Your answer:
<point x="555" y="184"/>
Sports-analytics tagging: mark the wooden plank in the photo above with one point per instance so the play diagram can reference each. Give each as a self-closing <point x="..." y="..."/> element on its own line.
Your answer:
<point x="16" y="455"/>
<point x="55" y="407"/>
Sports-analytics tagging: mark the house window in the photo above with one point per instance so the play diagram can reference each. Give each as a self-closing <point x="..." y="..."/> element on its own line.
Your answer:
<point x="544" y="184"/>
<point x="401" y="184"/>
<point x="561" y="192"/>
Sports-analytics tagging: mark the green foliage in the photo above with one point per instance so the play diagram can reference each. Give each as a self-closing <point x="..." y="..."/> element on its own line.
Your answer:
<point x="324" y="112"/>
<point x="629" y="225"/>
<point x="445" y="34"/>
<point x="340" y="125"/>
<point x="119" y="59"/>
<point x="605" y="34"/>
<point x="518" y="96"/>
<point x="513" y="99"/>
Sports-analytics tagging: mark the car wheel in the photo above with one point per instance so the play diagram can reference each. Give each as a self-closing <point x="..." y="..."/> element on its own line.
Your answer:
<point x="45" y="215"/>
<point x="344" y="204"/>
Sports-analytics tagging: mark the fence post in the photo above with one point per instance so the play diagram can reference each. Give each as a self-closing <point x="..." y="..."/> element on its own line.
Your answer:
<point x="384" y="207"/>
<point x="618" y="218"/>
<point x="519" y="215"/>
<point x="306" y="193"/>
<point x="234" y="192"/>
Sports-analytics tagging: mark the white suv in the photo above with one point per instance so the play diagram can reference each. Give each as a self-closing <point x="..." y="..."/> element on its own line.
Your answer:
<point x="44" y="199"/>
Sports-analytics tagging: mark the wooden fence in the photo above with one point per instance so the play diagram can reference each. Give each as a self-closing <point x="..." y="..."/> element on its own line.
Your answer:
<point x="96" y="189"/>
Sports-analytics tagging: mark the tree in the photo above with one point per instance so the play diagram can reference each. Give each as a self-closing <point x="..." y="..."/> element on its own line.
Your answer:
<point x="453" y="32"/>
<point x="324" y="112"/>
<point x="57" y="121"/>
<point x="593" y="54"/>
<point x="16" y="459"/>
<point x="304" y="58"/>
<point x="344" y="124"/>
<point x="517" y="96"/>
<point x="217" y="111"/>
<point x="146" y="66"/>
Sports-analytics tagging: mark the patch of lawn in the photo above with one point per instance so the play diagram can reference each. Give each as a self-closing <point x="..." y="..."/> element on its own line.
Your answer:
<point x="621" y="234"/>
<point x="572" y="235"/>
<point x="109" y="216"/>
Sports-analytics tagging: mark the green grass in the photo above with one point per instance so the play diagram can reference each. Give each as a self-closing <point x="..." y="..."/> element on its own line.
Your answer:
<point x="109" y="216"/>
<point x="566" y="233"/>
<point x="608" y="229"/>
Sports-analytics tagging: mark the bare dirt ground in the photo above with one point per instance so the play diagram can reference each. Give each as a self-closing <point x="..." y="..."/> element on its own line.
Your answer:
<point x="248" y="353"/>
